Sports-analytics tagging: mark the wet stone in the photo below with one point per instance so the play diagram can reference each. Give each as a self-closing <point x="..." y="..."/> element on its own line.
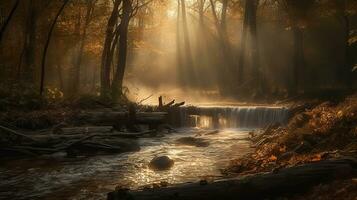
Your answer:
<point x="191" y="141"/>
<point x="161" y="163"/>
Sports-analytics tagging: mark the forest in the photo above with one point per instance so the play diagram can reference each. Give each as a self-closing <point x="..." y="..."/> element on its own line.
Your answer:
<point x="191" y="99"/>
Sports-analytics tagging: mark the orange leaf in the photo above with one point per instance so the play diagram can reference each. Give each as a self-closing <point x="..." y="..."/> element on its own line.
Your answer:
<point x="273" y="158"/>
<point x="317" y="157"/>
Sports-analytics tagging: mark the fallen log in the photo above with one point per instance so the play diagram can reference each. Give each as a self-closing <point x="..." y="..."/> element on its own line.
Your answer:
<point x="49" y="144"/>
<point x="90" y="147"/>
<point x="110" y="118"/>
<point x="151" y="117"/>
<point x="12" y="135"/>
<point x="135" y="135"/>
<point x="176" y="105"/>
<point x="101" y="146"/>
<point x="71" y="144"/>
<point x="56" y="138"/>
<point x="84" y="130"/>
<point x="170" y="105"/>
<point x="285" y="182"/>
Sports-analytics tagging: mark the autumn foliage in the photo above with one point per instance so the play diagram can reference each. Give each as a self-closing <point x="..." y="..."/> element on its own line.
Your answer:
<point x="326" y="131"/>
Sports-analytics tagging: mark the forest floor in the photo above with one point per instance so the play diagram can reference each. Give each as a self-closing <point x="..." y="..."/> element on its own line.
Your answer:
<point x="319" y="131"/>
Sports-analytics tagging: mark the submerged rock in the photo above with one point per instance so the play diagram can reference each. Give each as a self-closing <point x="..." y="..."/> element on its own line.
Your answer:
<point x="161" y="163"/>
<point x="104" y="146"/>
<point x="191" y="141"/>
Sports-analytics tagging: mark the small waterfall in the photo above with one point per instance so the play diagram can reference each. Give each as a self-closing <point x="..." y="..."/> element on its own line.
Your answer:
<point x="232" y="116"/>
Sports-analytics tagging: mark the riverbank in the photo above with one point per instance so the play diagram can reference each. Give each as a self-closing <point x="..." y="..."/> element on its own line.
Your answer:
<point x="83" y="126"/>
<point x="325" y="131"/>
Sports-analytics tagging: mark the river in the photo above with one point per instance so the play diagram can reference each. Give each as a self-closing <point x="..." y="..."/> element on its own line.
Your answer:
<point x="60" y="177"/>
<point x="92" y="177"/>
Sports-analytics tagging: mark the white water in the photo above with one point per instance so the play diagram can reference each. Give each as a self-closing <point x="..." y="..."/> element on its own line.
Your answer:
<point x="233" y="116"/>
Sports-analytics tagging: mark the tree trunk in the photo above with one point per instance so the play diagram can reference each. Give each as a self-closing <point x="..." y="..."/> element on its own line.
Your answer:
<point x="347" y="75"/>
<point x="8" y="19"/>
<point x="224" y="16"/>
<point x="179" y="57"/>
<point x="117" y="85"/>
<point x="298" y="59"/>
<point x="226" y="79"/>
<point x="73" y="86"/>
<point x="201" y="8"/>
<point x="187" y="44"/>
<point x="106" y="56"/>
<point x="243" y="43"/>
<point x="221" y="28"/>
<point x="43" y="65"/>
<point x="60" y="77"/>
<point x="19" y="66"/>
<point x="30" y="40"/>
<point x="255" y="47"/>
<point x="83" y="37"/>
<point x="200" y="51"/>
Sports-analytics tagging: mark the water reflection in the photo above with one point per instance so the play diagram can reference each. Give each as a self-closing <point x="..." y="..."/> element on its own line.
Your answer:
<point x="92" y="178"/>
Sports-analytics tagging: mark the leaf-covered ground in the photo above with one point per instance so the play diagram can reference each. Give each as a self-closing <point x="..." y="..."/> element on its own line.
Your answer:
<point x="325" y="131"/>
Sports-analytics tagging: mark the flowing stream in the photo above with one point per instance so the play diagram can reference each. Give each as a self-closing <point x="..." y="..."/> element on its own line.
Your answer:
<point x="59" y="177"/>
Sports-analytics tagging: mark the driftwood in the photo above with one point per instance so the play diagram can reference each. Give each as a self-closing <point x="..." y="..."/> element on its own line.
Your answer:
<point x="168" y="106"/>
<point x="285" y="182"/>
<point x="14" y="135"/>
<point x="173" y="110"/>
<point x="66" y="139"/>
<point x="73" y="143"/>
<point x="111" y="118"/>
<point x="82" y="130"/>
<point x="178" y="104"/>
<point x="52" y="143"/>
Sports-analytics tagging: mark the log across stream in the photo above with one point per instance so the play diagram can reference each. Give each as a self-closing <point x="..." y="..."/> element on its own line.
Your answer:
<point x="59" y="177"/>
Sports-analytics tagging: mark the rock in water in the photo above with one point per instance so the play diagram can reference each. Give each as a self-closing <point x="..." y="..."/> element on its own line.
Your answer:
<point x="161" y="163"/>
<point x="191" y="141"/>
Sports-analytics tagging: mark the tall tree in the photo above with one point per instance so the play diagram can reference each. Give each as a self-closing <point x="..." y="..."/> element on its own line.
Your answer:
<point x="297" y="12"/>
<point x="243" y="39"/>
<point x="90" y="4"/>
<point x="122" y="49"/>
<point x="8" y="19"/>
<point x="34" y="8"/>
<point x="258" y="72"/>
<point x="223" y="41"/>
<point x="224" y="16"/>
<point x="117" y="31"/>
<point x="44" y="55"/>
<point x="179" y="55"/>
<point x="107" y="54"/>
<point x="250" y="26"/>
<point x="188" y="61"/>
<point x="342" y="13"/>
<point x="30" y="32"/>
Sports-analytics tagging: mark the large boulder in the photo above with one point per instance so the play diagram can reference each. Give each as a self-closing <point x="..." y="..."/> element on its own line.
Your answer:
<point x="161" y="163"/>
